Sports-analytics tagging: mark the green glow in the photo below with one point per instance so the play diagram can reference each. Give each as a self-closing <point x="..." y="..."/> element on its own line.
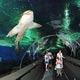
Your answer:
<point x="72" y="36"/>
<point x="31" y="35"/>
<point x="40" y="49"/>
<point x="75" y="36"/>
<point x="67" y="37"/>
<point x="58" y="42"/>
<point x="1" y="3"/>
<point x="66" y="12"/>
<point x="77" y="2"/>
<point x="66" y="19"/>
<point x="59" y="46"/>
<point x="6" y="43"/>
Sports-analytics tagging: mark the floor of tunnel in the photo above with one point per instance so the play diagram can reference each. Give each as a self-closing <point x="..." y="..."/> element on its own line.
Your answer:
<point x="51" y="75"/>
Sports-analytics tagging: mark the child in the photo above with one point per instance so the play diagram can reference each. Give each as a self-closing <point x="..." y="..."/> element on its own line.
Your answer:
<point x="58" y="66"/>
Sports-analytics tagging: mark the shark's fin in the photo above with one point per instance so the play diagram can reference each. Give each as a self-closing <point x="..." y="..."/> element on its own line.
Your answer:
<point x="34" y="25"/>
<point x="13" y="32"/>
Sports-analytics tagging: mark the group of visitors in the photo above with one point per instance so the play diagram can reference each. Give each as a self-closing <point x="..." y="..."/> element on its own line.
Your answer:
<point x="48" y="57"/>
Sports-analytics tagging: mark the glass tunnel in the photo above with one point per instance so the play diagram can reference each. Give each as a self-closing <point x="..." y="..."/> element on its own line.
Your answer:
<point x="29" y="28"/>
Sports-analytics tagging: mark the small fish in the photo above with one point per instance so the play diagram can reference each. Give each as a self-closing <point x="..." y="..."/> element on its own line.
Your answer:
<point x="25" y="22"/>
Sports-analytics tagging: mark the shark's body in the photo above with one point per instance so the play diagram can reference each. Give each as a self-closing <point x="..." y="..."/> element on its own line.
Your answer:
<point x="25" y="22"/>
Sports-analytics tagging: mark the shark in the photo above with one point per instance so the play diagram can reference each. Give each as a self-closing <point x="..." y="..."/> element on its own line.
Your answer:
<point x="25" y="22"/>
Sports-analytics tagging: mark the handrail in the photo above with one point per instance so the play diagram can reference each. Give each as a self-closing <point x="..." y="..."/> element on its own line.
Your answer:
<point x="20" y="73"/>
<point x="25" y="55"/>
<point x="73" y="61"/>
<point x="72" y="71"/>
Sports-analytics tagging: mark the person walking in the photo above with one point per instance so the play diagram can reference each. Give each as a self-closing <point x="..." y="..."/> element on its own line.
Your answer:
<point x="50" y="59"/>
<point x="60" y="56"/>
<point x="46" y="59"/>
<point x="58" y="66"/>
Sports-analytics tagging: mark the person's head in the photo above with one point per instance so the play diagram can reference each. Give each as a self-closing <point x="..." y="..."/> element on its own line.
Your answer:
<point x="57" y="58"/>
<point x="60" y="51"/>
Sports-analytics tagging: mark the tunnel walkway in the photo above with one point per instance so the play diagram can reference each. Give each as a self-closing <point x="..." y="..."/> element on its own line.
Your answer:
<point x="48" y="75"/>
<point x="36" y="71"/>
<point x="51" y="75"/>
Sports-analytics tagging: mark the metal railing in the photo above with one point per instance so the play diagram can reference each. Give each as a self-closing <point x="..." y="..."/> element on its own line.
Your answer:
<point x="24" y="71"/>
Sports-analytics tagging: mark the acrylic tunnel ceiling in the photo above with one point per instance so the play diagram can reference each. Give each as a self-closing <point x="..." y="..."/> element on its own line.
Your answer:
<point x="61" y="17"/>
